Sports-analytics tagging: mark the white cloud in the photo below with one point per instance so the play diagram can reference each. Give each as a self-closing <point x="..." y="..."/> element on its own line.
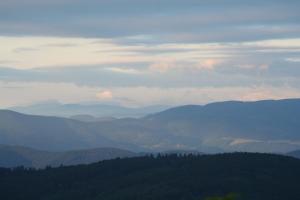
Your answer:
<point x="293" y="59"/>
<point x="124" y="70"/>
<point x="240" y="141"/>
<point x="278" y="43"/>
<point x="33" y="52"/>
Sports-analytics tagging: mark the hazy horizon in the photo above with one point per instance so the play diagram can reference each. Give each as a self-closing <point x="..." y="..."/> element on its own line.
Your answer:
<point x="109" y="103"/>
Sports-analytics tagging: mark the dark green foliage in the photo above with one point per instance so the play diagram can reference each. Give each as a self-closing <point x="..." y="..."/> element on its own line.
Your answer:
<point x="172" y="177"/>
<point x="231" y="196"/>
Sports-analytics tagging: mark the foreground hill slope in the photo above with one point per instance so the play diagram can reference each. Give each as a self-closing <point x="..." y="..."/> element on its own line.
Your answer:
<point x="13" y="156"/>
<point x="251" y="175"/>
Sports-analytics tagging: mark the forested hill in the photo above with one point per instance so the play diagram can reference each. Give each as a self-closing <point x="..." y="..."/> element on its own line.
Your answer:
<point x="194" y="177"/>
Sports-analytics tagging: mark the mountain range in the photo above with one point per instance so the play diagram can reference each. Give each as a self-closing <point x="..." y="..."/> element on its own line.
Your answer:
<point x="93" y="111"/>
<point x="14" y="156"/>
<point x="295" y="154"/>
<point x="262" y="126"/>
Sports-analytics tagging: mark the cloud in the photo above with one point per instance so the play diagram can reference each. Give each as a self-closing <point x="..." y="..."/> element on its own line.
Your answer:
<point x="293" y="60"/>
<point x="20" y="93"/>
<point x="208" y="64"/>
<point x="261" y="93"/>
<point x="60" y="45"/>
<point x="184" y="66"/>
<point x="240" y="141"/>
<point x="195" y="95"/>
<point x="7" y="62"/>
<point x="160" y="21"/>
<point x="254" y="66"/>
<point x="196" y="73"/>
<point x="177" y="51"/>
<point x="56" y="51"/>
<point x="24" y="50"/>
<point x="163" y="66"/>
<point x="104" y="95"/>
<point x="24" y="93"/>
<point x="124" y="70"/>
<point x="63" y="51"/>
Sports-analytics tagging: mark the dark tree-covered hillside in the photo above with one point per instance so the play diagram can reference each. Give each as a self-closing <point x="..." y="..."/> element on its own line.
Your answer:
<point x="171" y="177"/>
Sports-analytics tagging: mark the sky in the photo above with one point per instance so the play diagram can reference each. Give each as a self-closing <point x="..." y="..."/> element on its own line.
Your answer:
<point x="148" y="52"/>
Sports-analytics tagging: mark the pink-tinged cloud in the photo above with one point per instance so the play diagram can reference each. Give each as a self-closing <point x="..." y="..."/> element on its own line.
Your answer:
<point x="163" y="66"/>
<point x="239" y="141"/>
<point x="208" y="64"/>
<point x="104" y="95"/>
<point x="170" y="64"/>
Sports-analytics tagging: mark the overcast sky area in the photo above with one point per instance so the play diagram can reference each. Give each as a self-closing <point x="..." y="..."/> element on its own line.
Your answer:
<point x="148" y="52"/>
